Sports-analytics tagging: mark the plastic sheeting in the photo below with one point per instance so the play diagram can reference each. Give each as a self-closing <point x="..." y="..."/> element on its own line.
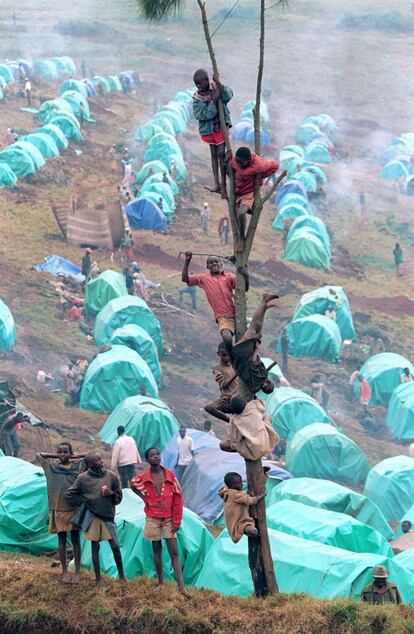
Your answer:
<point x="308" y="249"/>
<point x="69" y="126"/>
<point x="56" y="133"/>
<point x="315" y="224"/>
<point x="193" y="541"/>
<point x="7" y="177"/>
<point x="152" y="167"/>
<point x="127" y="310"/>
<point x="318" y="153"/>
<point x="139" y="340"/>
<point x="383" y="372"/>
<point x="390" y="484"/>
<point x="333" y="497"/>
<point x="114" y="375"/>
<point x="7" y="328"/>
<point x="52" y="107"/>
<point x="56" y="265"/>
<point x="317" y="302"/>
<point x="289" y="213"/>
<point x="292" y="410"/>
<point x="301" y="566"/>
<point x="99" y="291"/>
<point x="327" y="527"/>
<point x="32" y="151"/>
<point x="43" y="142"/>
<point x="73" y="84"/>
<point x="161" y="203"/>
<point x="400" y="414"/>
<point x="75" y="99"/>
<point x="18" y="160"/>
<point x="23" y="508"/>
<point x="314" y="336"/>
<point x="148" y="420"/>
<point x="143" y="213"/>
<point x="321" y="451"/>
<point x="291" y="187"/>
<point x="163" y="190"/>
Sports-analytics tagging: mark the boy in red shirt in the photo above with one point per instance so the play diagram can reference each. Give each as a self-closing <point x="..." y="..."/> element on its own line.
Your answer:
<point x="159" y="489"/>
<point x="218" y="286"/>
<point x="246" y="166"/>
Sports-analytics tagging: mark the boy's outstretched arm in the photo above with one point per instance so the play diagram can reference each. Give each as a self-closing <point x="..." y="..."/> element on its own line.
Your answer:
<point x="184" y="275"/>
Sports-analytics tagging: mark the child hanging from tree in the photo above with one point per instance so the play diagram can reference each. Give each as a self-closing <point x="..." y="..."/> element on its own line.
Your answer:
<point x="236" y="507"/>
<point x="61" y="470"/>
<point x="206" y="111"/>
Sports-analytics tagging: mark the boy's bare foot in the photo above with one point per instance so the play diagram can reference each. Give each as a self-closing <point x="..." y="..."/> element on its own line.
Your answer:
<point x="182" y="590"/>
<point x="251" y="531"/>
<point x="75" y="578"/>
<point x="159" y="586"/>
<point x="100" y="584"/>
<point x="214" y="190"/>
<point x="66" y="578"/>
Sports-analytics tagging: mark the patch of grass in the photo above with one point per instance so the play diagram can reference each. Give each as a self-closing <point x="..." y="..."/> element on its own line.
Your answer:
<point x="81" y="28"/>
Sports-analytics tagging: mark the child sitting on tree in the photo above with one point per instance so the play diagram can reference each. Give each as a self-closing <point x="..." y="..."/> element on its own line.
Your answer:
<point x="206" y="111"/>
<point x="236" y="507"/>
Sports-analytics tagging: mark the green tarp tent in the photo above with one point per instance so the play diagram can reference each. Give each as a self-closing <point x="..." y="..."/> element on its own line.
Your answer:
<point x="317" y="302"/>
<point x="317" y="172"/>
<point x="7" y="73"/>
<point x="75" y="99"/>
<point x="139" y="340"/>
<point x="73" y="84"/>
<point x="292" y="410"/>
<point x="333" y="497"/>
<point x="307" y="248"/>
<point x="65" y="63"/>
<point x="323" y="121"/>
<point x="152" y="166"/>
<point x="102" y="81"/>
<point x="156" y="198"/>
<point x="7" y="177"/>
<point x="288" y="213"/>
<point x="146" y="131"/>
<point x="114" y="83"/>
<point x="193" y="541"/>
<point x="127" y="310"/>
<point x="306" y="132"/>
<point x="32" y="151"/>
<point x="164" y="123"/>
<point x="400" y="414"/>
<point x="56" y="133"/>
<point x="295" y="199"/>
<point x="318" y="153"/>
<point x="148" y="420"/>
<point x="162" y="190"/>
<point x="53" y="107"/>
<point x="393" y="171"/>
<point x="315" y="224"/>
<point x="7" y="328"/>
<point x="321" y="451"/>
<point x="99" y="291"/>
<point x="23" y="508"/>
<point x="390" y="484"/>
<point x="307" y="179"/>
<point x="274" y="373"/>
<point x="43" y="142"/>
<point x="301" y="566"/>
<point x="383" y="372"/>
<point x="113" y="376"/>
<point x="167" y="160"/>
<point x="314" y="336"/>
<point x="159" y="178"/>
<point x="69" y="126"/>
<point x="327" y="527"/>
<point x="18" y="160"/>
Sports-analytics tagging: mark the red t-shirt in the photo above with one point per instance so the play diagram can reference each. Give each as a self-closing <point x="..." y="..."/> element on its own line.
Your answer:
<point x="169" y="504"/>
<point x="219" y="290"/>
<point x="244" y="177"/>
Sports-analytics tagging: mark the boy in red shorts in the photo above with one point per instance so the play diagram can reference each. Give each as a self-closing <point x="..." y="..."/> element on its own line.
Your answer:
<point x="205" y="109"/>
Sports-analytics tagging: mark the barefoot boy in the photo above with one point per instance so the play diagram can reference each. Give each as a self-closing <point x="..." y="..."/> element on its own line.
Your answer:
<point x="236" y="507"/>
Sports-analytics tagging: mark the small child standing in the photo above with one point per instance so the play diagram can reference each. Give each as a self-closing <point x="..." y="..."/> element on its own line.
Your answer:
<point x="61" y="470"/>
<point x="236" y="507"/>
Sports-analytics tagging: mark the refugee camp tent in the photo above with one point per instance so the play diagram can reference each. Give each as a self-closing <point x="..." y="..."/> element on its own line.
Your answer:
<point x="307" y="179"/>
<point x="98" y="80"/>
<point x="148" y="420"/>
<point x="332" y="496"/>
<point x="152" y="166"/>
<point x="73" y="84"/>
<point x="114" y="375"/>
<point x="393" y="171"/>
<point x="306" y="132"/>
<point x="390" y="484"/>
<point x="161" y="189"/>
<point x="75" y="99"/>
<point x="139" y="340"/>
<point x="328" y="527"/>
<point x="69" y="126"/>
<point x="383" y="372"/>
<point x="65" y="64"/>
<point x="292" y="409"/>
<point x="291" y="154"/>
<point x="143" y="213"/>
<point x="295" y="199"/>
<point x="53" y="107"/>
<point x="317" y="172"/>
<point x="289" y="212"/>
<point x="274" y="373"/>
<point x="7" y="177"/>
<point x="176" y="119"/>
<point x="159" y="201"/>
<point x="56" y="133"/>
<point x="6" y="73"/>
<point x="24" y="509"/>
<point x="184" y="95"/>
<point x="114" y="83"/>
<point x="90" y="88"/>
<point x="315" y="224"/>
<point x="400" y="414"/>
<point x="193" y="542"/>
<point x="99" y="291"/>
<point x="291" y="187"/>
<point x="149" y="129"/>
<point x="164" y="123"/>
<point x="201" y="441"/>
<point x="314" y="336"/>
<point x="301" y="565"/>
<point x="307" y="248"/>
<point x="7" y="328"/>
<point x="317" y="153"/>
<point x="406" y="559"/>
<point x="322" y="451"/>
<point x="56" y="265"/>
<point x="317" y="302"/>
<point x="127" y="310"/>
<point x="18" y="160"/>
<point x="162" y="178"/>
<point x="43" y="142"/>
<point x="32" y="151"/>
<point x="409" y="185"/>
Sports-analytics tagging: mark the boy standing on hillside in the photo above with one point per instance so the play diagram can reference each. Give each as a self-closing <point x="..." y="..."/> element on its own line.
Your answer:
<point x="61" y="470"/>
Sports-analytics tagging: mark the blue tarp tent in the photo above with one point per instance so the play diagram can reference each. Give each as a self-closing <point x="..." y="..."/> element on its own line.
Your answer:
<point x="143" y="213"/>
<point x="291" y="187"/>
<point x="57" y="265"/>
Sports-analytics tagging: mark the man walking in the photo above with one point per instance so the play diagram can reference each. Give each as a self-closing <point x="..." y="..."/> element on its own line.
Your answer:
<point x="125" y="456"/>
<point x="185" y="450"/>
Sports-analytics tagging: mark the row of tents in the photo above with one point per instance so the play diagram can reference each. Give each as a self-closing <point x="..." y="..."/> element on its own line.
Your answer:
<point x="52" y="69"/>
<point x="397" y="162"/>
<point x="155" y="203"/>
<point x="125" y="81"/>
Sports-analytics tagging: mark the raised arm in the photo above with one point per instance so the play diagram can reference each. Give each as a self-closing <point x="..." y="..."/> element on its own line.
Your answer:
<point x="184" y="275"/>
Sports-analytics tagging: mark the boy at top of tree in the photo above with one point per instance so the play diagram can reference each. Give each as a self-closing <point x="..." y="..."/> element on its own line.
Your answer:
<point x="206" y="111"/>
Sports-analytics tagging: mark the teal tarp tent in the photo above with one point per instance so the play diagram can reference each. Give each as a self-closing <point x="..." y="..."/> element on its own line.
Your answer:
<point x="164" y="123"/>
<point x="75" y="99"/>
<point x="127" y="310"/>
<point x="18" y="160"/>
<point x="7" y="177"/>
<point x="314" y="336"/>
<point x="306" y="132"/>
<point x="400" y="414"/>
<point x="53" y="107"/>
<point x="56" y="133"/>
<point x="6" y="73"/>
<point x="318" y="153"/>
<point x="162" y="178"/>
<point x="317" y="302"/>
<point x="390" y="484"/>
<point x="32" y="151"/>
<point x="69" y="126"/>
<point x="307" y="179"/>
<point x="98" y="80"/>
<point x="146" y="131"/>
<point x="328" y="527"/>
<point x="315" y="224"/>
<point x="295" y="199"/>
<point x="148" y="420"/>
<point x="162" y="190"/>
<point x="317" y="172"/>
<point x="139" y="340"/>
<point x="7" y="328"/>
<point x="73" y="84"/>
<point x="292" y="410"/>
<point x="305" y="247"/>
<point x="99" y="291"/>
<point x="321" y="451"/>
<point x="152" y="166"/>
<point x="383" y="372"/>
<point x="160" y="201"/>
<point x="393" y="171"/>
<point x="274" y="373"/>
<point x="114" y="83"/>
<point x="193" y="541"/>
<point x="332" y="496"/>
<point x="406" y="559"/>
<point x="288" y="213"/>
<point x="23" y="509"/>
<point x="301" y="566"/>
<point x="113" y="376"/>
<point x="43" y="142"/>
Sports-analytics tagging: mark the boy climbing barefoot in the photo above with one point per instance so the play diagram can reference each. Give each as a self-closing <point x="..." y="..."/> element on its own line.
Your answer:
<point x="236" y="507"/>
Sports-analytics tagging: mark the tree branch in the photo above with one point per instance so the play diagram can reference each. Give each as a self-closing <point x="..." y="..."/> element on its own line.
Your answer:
<point x="224" y="19"/>
<point x="274" y="187"/>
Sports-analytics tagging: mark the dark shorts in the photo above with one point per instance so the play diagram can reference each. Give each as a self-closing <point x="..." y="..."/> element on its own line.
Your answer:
<point x="253" y="373"/>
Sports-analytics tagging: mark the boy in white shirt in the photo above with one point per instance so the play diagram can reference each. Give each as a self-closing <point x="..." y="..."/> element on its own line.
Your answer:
<point x="185" y="449"/>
